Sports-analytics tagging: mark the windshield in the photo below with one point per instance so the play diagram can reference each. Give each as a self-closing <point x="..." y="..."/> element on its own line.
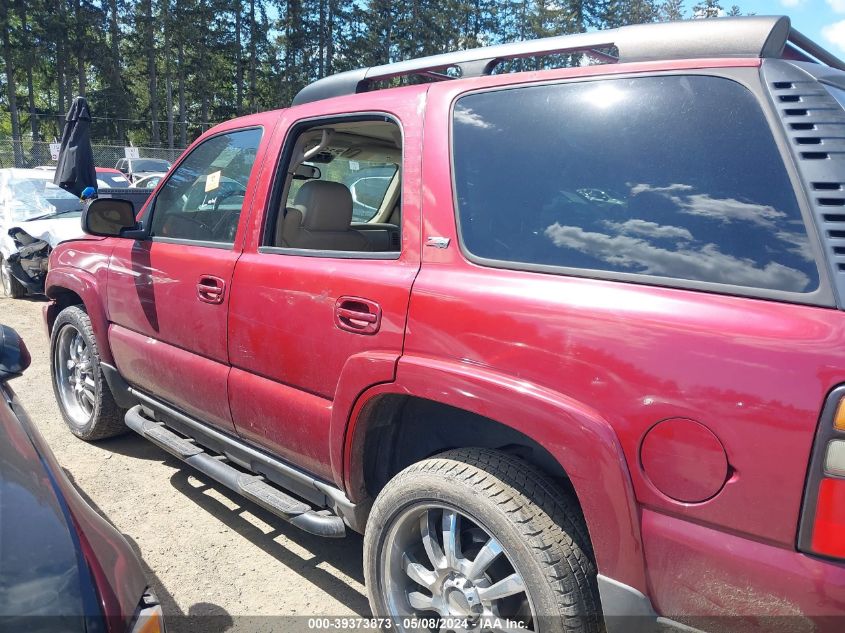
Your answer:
<point x="150" y="164"/>
<point x="31" y="198"/>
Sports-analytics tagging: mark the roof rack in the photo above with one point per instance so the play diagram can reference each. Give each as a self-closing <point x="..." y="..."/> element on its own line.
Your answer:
<point x="753" y="36"/>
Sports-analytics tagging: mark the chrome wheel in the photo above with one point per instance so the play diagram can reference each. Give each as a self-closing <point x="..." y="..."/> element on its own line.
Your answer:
<point x="74" y="375"/>
<point x="440" y="565"/>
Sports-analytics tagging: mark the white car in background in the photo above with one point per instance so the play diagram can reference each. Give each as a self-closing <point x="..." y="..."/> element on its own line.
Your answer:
<point x="150" y="181"/>
<point x="107" y="178"/>
<point x="35" y="215"/>
<point x="135" y="168"/>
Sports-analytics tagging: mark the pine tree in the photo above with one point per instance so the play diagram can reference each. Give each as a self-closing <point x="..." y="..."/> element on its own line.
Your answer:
<point x="672" y="10"/>
<point x="187" y="63"/>
<point x="9" y="29"/>
<point x="150" y="55"/>
<point x="623" y="12"/>
<point x="707" y="9"/>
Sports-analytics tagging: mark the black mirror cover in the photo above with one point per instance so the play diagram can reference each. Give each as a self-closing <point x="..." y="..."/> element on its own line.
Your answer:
<point x="108" y="217"/>
<point x="14" y="357"/>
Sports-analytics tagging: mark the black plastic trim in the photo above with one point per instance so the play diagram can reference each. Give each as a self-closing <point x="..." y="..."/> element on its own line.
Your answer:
<point x="310" y="252"/>
<point x="625" y="609"/>
<point x="749" y="36"/>
<point x="809" y="46"/>
<point x="120" y="390"/>
<point x="226" y="246"/>
<point x="281" y="473"/>
<point x="821" y="164"/>
<point x="277" y="502"/>
<point x="665" y="625"/>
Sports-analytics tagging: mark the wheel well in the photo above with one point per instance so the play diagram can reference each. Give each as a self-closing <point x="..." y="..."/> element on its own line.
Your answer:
<point x="62" y="298"/>
<point x="402" y="430"/>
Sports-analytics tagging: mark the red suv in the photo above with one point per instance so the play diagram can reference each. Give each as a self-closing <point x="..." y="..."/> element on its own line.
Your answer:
<point x="577" y="359"/>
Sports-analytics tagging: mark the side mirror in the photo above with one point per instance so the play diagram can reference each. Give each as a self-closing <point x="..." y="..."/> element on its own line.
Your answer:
<point x="14" y="357"/>
<point x="369" y="191"/>
<point x="110" y="217"/>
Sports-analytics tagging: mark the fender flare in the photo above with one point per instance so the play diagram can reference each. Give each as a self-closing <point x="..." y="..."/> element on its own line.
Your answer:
<point x="360" y="372"/>
<point x="84" y="284"/>
<point x="583" y="443"/>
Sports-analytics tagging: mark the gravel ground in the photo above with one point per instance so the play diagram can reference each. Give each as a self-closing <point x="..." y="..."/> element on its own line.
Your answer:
<point x="208" y="552"/>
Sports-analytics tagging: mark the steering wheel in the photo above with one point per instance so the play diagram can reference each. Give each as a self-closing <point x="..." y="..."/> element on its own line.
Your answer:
<point x="223" y="223"/>
<point x="221" y="197"/>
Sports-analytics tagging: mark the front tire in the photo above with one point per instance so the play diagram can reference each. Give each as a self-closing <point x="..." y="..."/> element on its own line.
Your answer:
<point x="81" y="390"/>
<point x="12" y="288"/>
<point x="477" y="537"/>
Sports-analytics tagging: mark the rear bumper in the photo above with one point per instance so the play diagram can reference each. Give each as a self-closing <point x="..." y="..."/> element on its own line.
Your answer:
<point x="713" y="580"/>
<point x="702" y="579"/>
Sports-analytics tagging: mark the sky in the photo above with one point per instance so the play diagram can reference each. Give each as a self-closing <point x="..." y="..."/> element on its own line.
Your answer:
<point x="820" y="20"/>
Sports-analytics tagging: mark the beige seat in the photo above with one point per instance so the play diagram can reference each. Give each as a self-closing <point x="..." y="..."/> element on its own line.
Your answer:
<point x="320" y="219"/>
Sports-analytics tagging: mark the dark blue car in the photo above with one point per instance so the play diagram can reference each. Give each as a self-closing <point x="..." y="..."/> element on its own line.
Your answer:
<point x="62" y="566"/>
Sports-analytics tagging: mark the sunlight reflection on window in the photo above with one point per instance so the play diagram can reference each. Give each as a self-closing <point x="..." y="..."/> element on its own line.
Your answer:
<point x="604" y="96"/>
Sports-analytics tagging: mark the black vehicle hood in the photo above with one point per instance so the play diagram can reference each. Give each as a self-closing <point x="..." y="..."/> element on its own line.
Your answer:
<point x="62" y="566"/>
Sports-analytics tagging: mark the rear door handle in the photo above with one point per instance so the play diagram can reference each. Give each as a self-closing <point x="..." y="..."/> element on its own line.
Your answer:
<point x="357" y="315"/>
<point x="211" y="289"/>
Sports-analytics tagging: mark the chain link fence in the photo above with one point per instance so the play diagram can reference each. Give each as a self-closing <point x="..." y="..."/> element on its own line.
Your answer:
<point x="33" y="154"/>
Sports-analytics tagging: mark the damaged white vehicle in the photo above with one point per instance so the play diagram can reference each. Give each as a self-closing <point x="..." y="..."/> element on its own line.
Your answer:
<point x="35" y="215"/>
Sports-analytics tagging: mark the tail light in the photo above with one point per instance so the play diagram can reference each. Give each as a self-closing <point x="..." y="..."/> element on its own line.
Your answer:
<point x="822" y="529"/>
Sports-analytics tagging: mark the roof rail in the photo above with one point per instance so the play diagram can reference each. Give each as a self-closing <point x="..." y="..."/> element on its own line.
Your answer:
<point x="752" y="36"/>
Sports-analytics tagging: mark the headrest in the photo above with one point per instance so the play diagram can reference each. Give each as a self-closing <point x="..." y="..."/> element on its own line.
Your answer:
<point x="325" y="206"/>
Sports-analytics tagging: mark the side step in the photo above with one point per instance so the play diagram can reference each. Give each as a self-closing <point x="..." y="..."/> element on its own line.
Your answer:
<point x="253" y="487"/>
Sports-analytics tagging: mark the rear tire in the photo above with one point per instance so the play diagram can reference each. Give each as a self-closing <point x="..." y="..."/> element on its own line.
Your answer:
<point x="537" y="559"/>
<point x="81" y="390"/>
<point x="11" y="287"/>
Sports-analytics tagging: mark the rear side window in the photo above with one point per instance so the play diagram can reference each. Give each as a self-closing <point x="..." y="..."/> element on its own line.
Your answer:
<point x="673" y="177"/>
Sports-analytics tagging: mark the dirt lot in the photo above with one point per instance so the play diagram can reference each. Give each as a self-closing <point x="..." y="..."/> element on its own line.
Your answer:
<point x="209" y="553"/>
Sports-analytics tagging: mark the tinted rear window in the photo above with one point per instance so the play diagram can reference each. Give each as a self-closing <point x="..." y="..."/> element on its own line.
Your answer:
<point x="674" y="176"/>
